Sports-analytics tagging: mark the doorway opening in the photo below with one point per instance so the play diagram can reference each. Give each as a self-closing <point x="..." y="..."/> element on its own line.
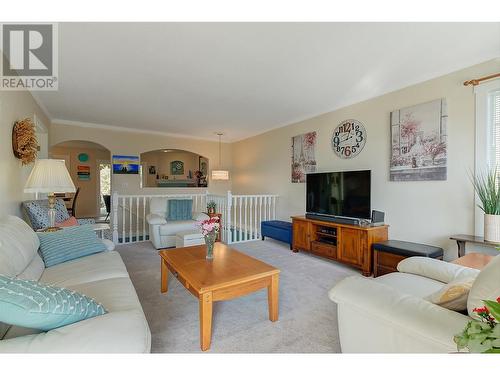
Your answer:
<point x="105" y="189"/>
<point x="89" y="165"/>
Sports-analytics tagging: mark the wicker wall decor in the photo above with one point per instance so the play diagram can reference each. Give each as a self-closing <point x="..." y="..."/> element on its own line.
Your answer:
<point x="24" y="142"/>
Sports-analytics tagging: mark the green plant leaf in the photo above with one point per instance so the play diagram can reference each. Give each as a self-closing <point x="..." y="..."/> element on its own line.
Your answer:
<point x="494" y="308"/>
<point x="495" y="332"/>
<point x="476" y="327"/>
<point x="479" y="346"/>
<point x="493" y="351"/>
<point x="487" y="188"/>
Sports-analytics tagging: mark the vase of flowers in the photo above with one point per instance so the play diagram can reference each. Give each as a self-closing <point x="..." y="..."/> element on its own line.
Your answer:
<point x="210" y="229"/>
<point x="482" y="336"/>
<point x="488" y="191"/>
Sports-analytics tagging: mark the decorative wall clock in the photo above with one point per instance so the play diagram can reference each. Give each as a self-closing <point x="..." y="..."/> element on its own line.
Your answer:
<point x="348" y="139"/>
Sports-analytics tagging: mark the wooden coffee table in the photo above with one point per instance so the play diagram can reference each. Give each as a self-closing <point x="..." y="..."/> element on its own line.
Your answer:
<point x="229" y="275"/>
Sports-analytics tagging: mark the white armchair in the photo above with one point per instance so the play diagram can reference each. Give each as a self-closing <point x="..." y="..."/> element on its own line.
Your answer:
<point x="162" y="232"/>
<point x="389" y="314"/>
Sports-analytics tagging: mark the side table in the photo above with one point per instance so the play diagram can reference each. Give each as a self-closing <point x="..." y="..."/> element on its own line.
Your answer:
<point x="474" y="260"/>
<point x="462" y="239"/>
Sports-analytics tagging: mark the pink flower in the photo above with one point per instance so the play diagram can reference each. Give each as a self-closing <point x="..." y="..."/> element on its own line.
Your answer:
<point x="209" y="226"/>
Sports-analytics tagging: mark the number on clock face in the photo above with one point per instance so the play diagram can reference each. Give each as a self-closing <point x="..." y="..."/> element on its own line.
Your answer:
<point x="348" y="139"/>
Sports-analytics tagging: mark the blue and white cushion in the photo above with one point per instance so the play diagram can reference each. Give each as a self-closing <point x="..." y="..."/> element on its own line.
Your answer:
<point x="27" y="303"/>
<point x="180" y="209"/>
<point x="68" y="244"/>
<point x="38" y="212"/>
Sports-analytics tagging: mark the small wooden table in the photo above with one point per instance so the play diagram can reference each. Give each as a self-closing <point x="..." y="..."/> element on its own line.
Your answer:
<point x="462" y="239"/>
<point x="229" y="275"/>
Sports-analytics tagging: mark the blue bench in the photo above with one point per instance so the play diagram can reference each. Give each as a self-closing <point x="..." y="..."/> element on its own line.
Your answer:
<point x="278" y="230"/>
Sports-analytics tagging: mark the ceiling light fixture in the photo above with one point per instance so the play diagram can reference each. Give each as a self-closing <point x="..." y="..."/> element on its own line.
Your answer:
<point x="220" y="174"/>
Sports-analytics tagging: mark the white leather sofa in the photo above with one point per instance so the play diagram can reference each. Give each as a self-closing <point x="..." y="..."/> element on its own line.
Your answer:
<point x="103" y="276"/>
<point x="162" y="233"/>
<point x="389" y="314"/>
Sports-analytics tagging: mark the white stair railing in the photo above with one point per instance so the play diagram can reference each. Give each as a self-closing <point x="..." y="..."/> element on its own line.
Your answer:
<point x="241" y="219"/>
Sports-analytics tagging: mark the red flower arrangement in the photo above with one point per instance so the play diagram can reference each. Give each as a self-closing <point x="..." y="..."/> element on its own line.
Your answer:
<point x="482" y="336"/>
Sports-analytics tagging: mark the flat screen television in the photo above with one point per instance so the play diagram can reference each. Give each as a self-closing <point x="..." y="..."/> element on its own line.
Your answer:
<point x="339" y="194"/>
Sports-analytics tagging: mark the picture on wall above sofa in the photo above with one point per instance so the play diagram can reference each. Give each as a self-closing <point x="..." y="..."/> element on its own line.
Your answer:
<point x="418" y="140"/>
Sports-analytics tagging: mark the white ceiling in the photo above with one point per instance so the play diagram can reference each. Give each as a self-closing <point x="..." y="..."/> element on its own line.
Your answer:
<point x="195" y="79"/>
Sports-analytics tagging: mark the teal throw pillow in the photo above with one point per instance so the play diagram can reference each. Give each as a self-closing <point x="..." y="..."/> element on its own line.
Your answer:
<point x="69" y="243"/>
<point x="30" y="304"/>
<point x="180" y="209"/>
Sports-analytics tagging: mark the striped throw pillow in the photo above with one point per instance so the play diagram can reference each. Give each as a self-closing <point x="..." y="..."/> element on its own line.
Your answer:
<point x="180" y="209"/>
<point x="69" y="243"/>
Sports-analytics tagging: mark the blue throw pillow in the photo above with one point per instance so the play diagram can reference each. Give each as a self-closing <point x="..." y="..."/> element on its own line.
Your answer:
<point x="180" y="209"/>
<point x="30" y="304"/>
<point x="69" y="243"/>
<point x="37" y="212"/>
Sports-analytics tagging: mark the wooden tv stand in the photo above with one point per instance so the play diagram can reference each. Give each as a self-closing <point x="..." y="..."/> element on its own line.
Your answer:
<point x="349" y="244"/>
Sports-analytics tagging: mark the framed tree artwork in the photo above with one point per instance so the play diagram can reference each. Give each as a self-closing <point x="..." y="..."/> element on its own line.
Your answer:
<point x="419" y="142"/>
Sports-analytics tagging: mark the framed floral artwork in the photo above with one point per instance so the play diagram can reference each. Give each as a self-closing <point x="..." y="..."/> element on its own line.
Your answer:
<point x="419" y="142"/>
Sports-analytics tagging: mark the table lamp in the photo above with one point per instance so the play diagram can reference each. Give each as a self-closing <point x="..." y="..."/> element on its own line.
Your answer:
<point x="50" y="176"/>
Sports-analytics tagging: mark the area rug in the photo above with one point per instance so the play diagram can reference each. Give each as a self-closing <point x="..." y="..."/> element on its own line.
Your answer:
<point x="307" y="318"/>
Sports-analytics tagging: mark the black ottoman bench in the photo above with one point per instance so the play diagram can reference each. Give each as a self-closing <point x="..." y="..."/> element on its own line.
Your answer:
<point x="387" y="254"/>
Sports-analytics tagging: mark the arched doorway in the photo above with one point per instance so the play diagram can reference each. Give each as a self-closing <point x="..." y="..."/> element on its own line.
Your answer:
<point x="89" y="164"/>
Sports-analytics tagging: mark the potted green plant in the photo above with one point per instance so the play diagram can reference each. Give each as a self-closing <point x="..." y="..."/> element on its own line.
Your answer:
<point x="482" y="336"/>
<point x="487" y="188"/>
<point x="211" y="207"/>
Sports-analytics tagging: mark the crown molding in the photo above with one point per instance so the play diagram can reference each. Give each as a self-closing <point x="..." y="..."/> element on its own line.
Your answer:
<point x="91" y="125"/>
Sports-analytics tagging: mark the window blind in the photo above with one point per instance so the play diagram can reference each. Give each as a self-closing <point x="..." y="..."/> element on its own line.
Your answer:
<point x="494" y="128"/>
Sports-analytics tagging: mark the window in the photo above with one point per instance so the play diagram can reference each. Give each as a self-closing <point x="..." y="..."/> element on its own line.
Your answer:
<point x="487" y="148"/>
<point x="493" y="128"/>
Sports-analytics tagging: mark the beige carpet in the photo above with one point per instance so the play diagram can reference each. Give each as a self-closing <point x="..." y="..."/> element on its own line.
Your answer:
<point x="307" y="320"/>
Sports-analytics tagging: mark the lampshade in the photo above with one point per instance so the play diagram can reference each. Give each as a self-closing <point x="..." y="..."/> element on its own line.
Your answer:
<point x="220" y="175"/>
<point x="49" y="176"/>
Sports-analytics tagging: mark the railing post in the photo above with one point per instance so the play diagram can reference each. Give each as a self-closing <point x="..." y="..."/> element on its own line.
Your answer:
<point x="204" y="204"/>
<point x="115" y="217"/>
<point x="229" y="233"/>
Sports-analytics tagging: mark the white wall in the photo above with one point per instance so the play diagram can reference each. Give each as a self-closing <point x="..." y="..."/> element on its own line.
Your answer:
<point x="132" y="143"/>
<point x="15" y="105"/>
<point x="427" y="212"/>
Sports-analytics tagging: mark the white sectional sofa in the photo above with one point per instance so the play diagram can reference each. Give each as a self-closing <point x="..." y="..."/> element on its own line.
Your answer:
<point x="162" y="232"/>
<point x="389" y="314"/>
<point x="102" y="276"/>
